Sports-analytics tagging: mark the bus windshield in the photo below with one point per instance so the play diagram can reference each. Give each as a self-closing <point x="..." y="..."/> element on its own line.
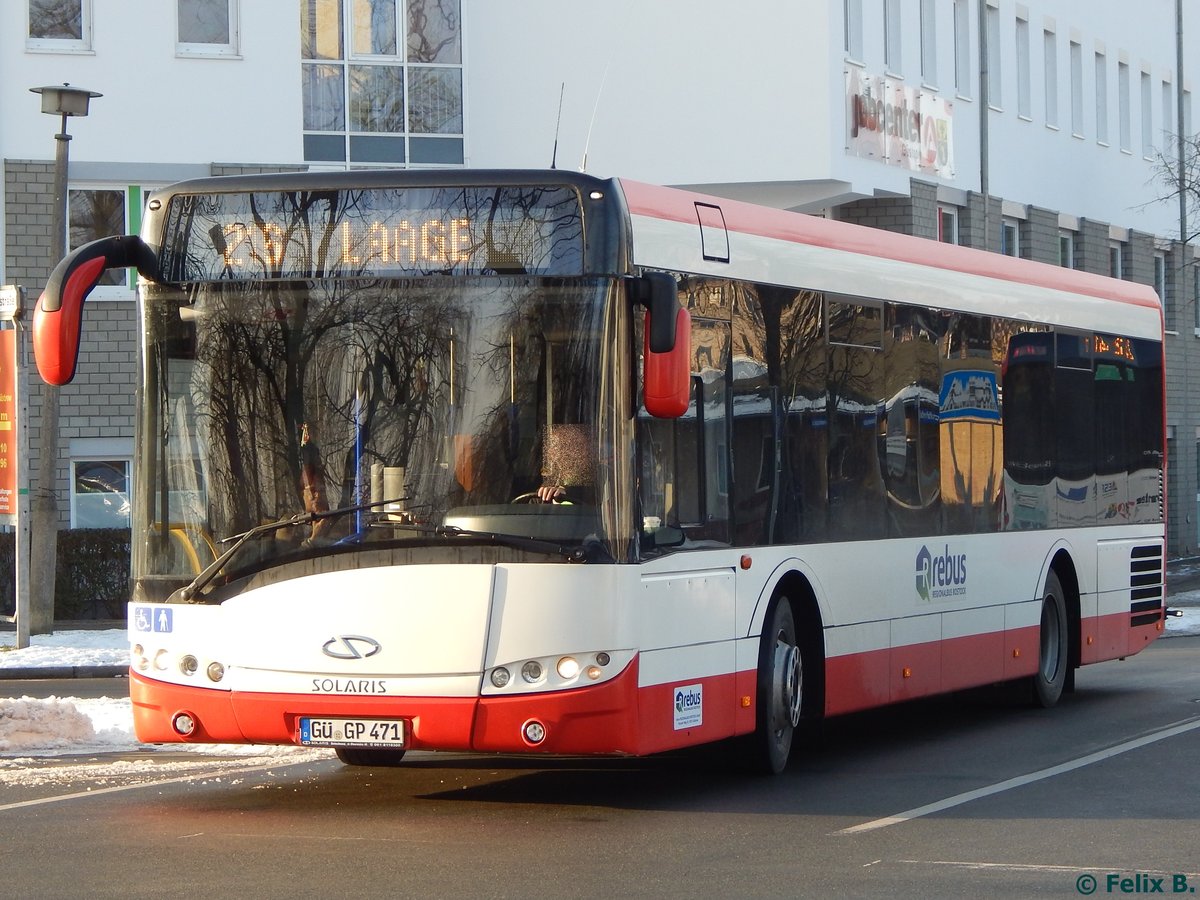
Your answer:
<point x="440" y="404"/>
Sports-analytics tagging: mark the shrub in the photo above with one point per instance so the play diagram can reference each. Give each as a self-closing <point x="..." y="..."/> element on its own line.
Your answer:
<point x="92" y="574"/>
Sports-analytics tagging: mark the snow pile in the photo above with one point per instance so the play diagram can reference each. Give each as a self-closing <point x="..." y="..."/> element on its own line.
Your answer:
<point x="46" y="724"/>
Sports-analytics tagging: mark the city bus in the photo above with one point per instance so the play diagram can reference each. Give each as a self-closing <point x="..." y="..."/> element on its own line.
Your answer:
<point x="534" y="462"/>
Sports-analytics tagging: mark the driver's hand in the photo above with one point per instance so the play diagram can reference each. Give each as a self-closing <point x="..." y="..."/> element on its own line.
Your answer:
<point x="551" y="494"/>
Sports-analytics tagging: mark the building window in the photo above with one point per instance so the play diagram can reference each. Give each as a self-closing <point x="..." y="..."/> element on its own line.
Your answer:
<point x="100" y="493"/>
<point x="382" y="81"/>
<point x="1123" y="101"/>
<point x="993" y="41"/>
<point x="1023" y="90"/>
<point x="59" y="25"/>
<point x="1066" y="249"/>
<point x="1076" y="89"/>
<point x="1147" y="118"/>
<point x="1101" y="98"/>
<point x="947" y="225"/>
<point x="929" y="42"/>
<point x="207" y="27"/>
<point x="852" y="11"/>
<point x="1050" y="80"/>
<point x="1168" y="114"/>
<point x="1160" y="288"/>
<point x="962" y="48"/>
<point x="94" y="213"/>
<point x="1196" y="297"/>
<point x="892" y="59"/>
<point x="1010" y="243"/>
<point x="1116" y="260"/>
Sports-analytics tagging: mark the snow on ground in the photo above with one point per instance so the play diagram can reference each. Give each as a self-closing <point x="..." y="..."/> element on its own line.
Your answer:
<point x="108" y="647"/>
<point x="67" y="725"/>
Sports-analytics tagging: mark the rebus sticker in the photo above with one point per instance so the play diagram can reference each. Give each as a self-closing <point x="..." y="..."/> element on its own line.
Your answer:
<point x="689" y="706"/>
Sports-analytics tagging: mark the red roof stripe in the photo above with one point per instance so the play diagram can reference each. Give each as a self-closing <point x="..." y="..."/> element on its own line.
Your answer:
<point x="677" y="205"/>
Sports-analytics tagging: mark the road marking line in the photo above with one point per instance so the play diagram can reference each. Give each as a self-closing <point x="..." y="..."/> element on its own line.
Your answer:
<point x="179" y="779"/>
<point x="1022" y="780"/>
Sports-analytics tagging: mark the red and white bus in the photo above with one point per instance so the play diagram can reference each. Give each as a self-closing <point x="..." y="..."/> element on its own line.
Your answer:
<point x="795" y="468"/>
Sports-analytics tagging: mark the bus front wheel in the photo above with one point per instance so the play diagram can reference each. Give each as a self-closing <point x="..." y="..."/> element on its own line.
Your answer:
<point x="369" y="756"/>
<point x="780" y="690"/>
<point x="1053" y="658"/>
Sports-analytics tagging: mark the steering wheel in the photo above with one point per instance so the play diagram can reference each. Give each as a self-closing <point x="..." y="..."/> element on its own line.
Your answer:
<point x="528" y="497"/>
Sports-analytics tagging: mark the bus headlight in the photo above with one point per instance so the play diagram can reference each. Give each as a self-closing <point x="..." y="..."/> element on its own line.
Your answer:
<point x="216" y="671"/>
<point x="189" y="665"/>
<point x="557" y="673"/>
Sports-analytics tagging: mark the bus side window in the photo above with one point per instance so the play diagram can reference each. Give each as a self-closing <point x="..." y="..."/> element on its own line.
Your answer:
<point x="857" y="504"/>
<point x="910" y="431"/>
<point x="685" y="462"/>
<point x="971" y="436"/>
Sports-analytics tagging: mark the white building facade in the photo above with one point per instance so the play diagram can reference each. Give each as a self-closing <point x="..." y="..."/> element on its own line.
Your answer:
<point x="862" y="110"/>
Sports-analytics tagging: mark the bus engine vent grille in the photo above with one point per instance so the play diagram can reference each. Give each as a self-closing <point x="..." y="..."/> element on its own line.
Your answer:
<point x="1146" y="584"/>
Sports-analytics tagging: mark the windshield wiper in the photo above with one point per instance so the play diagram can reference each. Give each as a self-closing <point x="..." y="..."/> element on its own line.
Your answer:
<point x="188" y="591"/>
<point x="537" y="545"/>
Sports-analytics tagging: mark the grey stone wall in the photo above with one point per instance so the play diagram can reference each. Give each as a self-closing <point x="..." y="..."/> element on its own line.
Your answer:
<point x="1040" y="238"/>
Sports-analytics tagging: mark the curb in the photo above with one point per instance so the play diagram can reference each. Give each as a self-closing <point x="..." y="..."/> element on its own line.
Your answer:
<point x="38" y="673"/>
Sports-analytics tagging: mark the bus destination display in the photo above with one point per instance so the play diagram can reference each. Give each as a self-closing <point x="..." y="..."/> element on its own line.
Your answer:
<point x="377" y="232"/>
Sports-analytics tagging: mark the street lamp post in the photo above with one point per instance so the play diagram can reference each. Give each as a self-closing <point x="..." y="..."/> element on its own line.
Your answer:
<point x="63" y="101"/>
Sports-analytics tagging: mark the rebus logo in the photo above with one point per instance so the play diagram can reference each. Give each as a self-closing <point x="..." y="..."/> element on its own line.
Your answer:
<point x="940" y="577"/>
<point x="687" y="698"/>
<point x="924" y="573"/>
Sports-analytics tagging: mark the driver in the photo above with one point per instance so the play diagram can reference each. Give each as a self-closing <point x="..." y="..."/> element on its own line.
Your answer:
<point x="568" y="465"/>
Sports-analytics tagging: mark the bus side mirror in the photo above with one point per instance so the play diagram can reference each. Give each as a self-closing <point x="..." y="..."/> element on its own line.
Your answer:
<point x="58" y="316"/>
<point x="667" y="358"/>
<point x="660" y="295"/>
<point x="666" y="377"/>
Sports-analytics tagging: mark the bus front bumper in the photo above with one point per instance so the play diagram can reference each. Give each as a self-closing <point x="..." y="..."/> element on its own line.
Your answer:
<point x="599" y="719"/>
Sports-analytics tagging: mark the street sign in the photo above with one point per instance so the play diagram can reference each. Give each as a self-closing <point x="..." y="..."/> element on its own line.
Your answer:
<point x="11" y="297"/>
<point x="9" y="458"/>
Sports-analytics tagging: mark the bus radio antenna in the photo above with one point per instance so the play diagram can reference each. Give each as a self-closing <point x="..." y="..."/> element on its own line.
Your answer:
<point x="557" y="126"/>
<point x="596" y="106"/>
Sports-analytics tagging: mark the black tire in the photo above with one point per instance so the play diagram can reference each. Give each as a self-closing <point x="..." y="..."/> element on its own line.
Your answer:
<point x="780" y="691"/>
<point x="1053" y="646"/>
<point x="369" y="756"/>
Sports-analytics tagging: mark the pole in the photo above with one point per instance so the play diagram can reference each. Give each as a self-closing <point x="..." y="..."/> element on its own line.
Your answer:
<point x="1180" y="144"/>
<point x="984" y="100"/>
<point x="43" y="557"/>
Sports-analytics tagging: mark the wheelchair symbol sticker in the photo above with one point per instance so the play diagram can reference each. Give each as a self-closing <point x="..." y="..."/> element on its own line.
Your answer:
<point x="161" y="621"/>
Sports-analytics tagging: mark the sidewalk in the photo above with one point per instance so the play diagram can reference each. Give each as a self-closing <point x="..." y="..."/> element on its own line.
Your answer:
<point x="100" y="649"/>
<point x="88" y="649"/>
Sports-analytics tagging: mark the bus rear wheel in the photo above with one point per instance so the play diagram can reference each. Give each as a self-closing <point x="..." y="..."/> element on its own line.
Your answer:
<point x="369" y="756"/>
<point x="1053" y="658"/>
<point x="780" y="691"/>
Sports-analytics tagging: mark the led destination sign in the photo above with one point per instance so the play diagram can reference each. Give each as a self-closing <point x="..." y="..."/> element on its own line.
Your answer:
<point x="373" y="233"/>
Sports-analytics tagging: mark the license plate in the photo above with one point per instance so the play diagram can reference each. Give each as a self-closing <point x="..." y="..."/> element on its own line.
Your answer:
<point x="352" y="732"/>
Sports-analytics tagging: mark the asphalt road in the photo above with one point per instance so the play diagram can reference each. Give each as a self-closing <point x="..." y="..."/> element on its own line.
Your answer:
<point x="972" y="795"/>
